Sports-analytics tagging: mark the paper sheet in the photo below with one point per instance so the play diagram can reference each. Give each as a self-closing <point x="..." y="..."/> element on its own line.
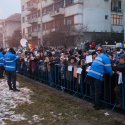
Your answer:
<point x="89" y="59"/>
<point x="79" y="70"/>
<point x="70" y="68"/>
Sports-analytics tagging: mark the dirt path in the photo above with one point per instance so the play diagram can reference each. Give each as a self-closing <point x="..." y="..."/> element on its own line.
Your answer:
<point x="52" y="107"/>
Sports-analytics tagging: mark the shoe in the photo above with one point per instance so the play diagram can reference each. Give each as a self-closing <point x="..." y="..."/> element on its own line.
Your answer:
<point x="10" y="88"/>
<point x="16" y="90"/>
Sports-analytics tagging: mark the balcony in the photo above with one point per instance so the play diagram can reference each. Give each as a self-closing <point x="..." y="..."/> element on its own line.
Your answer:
<point x="59" y="12"/>
<point x="36" y="34"/>
<point x="34" y="20"/>
<point x="32" y="7"/>
<point x="79" y="1"/>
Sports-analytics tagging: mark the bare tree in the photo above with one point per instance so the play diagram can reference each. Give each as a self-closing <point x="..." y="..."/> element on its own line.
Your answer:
<point x="14" y="41"/>
<point x="66" y="36"/>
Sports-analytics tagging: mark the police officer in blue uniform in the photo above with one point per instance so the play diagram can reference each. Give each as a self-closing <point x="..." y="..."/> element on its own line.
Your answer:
<point x="10" y="59"/>
<point x="100" y="66"/>
<point x="1" y="63"/>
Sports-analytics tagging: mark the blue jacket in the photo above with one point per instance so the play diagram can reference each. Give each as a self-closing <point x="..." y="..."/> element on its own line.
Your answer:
<point x="100" y="66"/>
<point x="10" y="61"/>
<point x="1" y="59"/>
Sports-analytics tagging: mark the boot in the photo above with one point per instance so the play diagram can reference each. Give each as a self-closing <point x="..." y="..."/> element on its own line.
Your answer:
<point x="10" y="88"/>
<point x="16" y="90"/>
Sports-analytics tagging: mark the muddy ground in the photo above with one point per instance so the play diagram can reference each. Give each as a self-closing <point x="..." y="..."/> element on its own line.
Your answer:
<point x="52" y="107"/>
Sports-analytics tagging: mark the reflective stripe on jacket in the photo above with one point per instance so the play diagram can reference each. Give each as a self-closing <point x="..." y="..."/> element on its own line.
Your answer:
<point x="100" y="66"/>
<point x="10" y="61"/>
<point x="1" y="59"/>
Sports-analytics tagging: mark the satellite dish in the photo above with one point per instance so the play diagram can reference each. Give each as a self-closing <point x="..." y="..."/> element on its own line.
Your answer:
<point x="23" y="42"/>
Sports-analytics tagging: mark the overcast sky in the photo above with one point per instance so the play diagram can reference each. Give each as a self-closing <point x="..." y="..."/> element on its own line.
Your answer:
<point x="9" y="7"/>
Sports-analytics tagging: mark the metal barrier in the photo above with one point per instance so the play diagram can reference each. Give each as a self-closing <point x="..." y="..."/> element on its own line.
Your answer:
<point x="61" y="78"/>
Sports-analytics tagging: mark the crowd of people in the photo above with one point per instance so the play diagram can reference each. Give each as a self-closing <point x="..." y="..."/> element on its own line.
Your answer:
<point x="72" y="66"/>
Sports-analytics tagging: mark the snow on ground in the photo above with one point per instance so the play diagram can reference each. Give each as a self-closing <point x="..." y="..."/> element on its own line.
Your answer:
<point x="9" y="100"/>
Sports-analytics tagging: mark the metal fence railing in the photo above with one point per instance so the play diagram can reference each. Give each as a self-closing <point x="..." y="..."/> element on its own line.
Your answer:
<point x="59" y="76"/>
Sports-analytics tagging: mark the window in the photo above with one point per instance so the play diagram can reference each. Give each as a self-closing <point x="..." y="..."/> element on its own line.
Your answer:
<point x="117" y="19"/>
<point x="69" y="2"/>
<point x="119" y="4"/>
<point x="59" y="23"/>
<point x="116" y="6"/>
<point x="47" y="10"/>
<point x="106" y="17"/>
<point x="69" y="20"/>
<point x="50" y="25"/>
<point x="38" y="13"/>
<point x="23" y="8"/>
<point x="39" y="27"/>
<point x="28" y="17"/>
<point x="29" y="3"/>
<point x="59" y="5"/>
<point x="33" y="15"/>
<point x="23" y="31"/>
<point x="44" y="11"/>
<point x="44" y="26"/>
<point x="23" y="19"/>
<point x="29" y="29"/>
<point x="35" y="28"/>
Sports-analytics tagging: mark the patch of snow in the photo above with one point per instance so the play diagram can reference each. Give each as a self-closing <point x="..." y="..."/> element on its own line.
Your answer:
<point x="9" y="100"/>
<point x="36" y="118"/>
<point x="106" y="114"/>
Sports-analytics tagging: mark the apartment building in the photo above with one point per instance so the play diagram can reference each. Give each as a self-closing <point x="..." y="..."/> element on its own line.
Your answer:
<point x="8" y="27"/>
<point x="40" y="17"/>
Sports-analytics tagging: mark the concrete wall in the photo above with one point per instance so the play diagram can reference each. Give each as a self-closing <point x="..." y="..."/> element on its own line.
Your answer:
<point x="94" y="15"/>
<point x="123" y="6"/>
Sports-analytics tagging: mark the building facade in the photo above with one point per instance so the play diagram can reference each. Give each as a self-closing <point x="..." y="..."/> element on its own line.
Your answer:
<point x="40" y="17"/>
<point x="8" y="27"/>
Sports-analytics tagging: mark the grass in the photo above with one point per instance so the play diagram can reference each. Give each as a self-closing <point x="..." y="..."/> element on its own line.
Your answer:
<point x="56" y="108"/>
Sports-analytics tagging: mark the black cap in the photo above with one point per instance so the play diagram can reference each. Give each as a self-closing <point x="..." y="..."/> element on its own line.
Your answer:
<point x="73" y="57"/>
<point x="12" y="50"/>
<point x="94" y="53"/>
<point x="1" y="49"/>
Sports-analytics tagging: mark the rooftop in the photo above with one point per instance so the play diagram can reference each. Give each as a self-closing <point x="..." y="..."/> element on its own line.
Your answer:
<point x="14" y="17"/>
